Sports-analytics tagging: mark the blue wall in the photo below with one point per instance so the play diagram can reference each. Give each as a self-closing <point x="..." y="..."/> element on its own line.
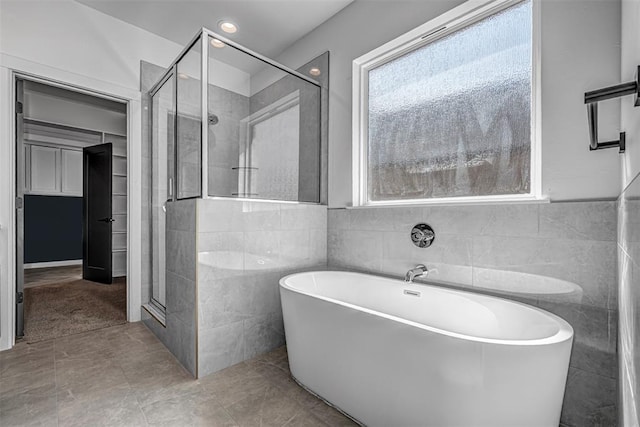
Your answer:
<point x="52" y="228"/>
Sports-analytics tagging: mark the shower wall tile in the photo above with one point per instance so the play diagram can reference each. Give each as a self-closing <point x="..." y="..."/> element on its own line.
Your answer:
<point x="264" y="243"/>
<point x="181" y="217"/>
<point x="299" y="216"/>
<point x="224" y="215"/>
<point x="181" y="255"/>
<point x="261" y="216"/>
<point x="590" y="400"/>
<point x="244" y="248"/>
<point x="629" y="300"/>
<point x="179" y="332"/>
<point x="222" y="302"/>
<point x="594" y="342"/>
<point x="383" y="219"/>
<point x="220" y="347"/>
<point x="339" y="219"/>
<point x="318" y="243"/>
<point x="262" y="333"/>
<point x="490" y="220"/>
<point x="450" y="248"/>
<point x="580" y="220"/>
<point x="182" y="342"/>
<point x="559" y="256"/>
<point x="180" y="296"/>
<point x="590" y="264"/>
<point x="215" y="265"/>
<point x="295" y="246"/>
<point x="222" y="241"/>
<point x="350" y="248"/>
<point x="224" y="139"/>
<point x="221" y="181"/>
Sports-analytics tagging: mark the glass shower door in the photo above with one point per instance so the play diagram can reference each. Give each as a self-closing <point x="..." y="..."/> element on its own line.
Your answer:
<point x="163" y="184"/>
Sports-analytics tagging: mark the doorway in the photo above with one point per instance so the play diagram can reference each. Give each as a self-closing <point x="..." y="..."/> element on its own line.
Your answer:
<point x="71" y="172"/>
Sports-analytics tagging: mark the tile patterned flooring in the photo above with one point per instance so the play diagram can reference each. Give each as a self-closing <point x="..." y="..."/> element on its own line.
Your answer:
<point x="124" y="376"/>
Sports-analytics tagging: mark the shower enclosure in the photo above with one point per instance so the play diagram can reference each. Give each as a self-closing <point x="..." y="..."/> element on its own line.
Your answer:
<point x="228" y="126"/>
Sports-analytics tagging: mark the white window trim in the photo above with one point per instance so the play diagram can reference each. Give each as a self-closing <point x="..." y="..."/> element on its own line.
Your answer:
<point x="456" y="18"/>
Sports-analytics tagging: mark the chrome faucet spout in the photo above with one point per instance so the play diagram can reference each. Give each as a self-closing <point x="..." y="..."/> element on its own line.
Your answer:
<point x="418" y="271"/>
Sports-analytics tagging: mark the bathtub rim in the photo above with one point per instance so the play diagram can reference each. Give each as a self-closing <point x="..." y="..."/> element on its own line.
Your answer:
<point x="565" y="330"/>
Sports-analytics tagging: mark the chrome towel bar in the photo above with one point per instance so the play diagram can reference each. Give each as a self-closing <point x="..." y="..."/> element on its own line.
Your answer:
<point x="592" y="98"/>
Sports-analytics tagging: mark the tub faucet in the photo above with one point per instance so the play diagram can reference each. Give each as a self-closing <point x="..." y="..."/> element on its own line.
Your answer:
<point x="417" y="271"/>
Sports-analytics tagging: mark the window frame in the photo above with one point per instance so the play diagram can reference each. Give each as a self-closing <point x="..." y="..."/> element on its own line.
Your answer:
<point x="453" y="20"/>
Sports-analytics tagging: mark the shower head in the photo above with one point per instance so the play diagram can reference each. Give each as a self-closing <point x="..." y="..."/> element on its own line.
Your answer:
<point x="213" y="120"/>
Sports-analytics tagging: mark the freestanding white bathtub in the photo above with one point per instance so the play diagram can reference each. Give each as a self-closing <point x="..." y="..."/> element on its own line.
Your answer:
<point x="389" y="353"/>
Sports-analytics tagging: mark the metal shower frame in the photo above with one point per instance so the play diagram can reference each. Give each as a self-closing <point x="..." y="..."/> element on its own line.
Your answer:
<point x="203" y="36"/>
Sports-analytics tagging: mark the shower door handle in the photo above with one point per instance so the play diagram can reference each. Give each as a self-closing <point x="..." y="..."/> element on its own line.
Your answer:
<point x="107" y="220"/>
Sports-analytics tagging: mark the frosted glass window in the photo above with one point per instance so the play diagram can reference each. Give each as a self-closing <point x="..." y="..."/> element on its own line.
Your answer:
<point x="273" y="156"/>
<point x="453" y="118"/>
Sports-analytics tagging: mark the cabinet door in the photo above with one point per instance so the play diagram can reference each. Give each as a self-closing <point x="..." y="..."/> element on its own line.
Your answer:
<point x="71" y="172"/>
<point x="44" y="169"/>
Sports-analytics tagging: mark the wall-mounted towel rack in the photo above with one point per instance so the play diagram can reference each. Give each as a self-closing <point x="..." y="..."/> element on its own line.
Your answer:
<point x="592" y="98"/>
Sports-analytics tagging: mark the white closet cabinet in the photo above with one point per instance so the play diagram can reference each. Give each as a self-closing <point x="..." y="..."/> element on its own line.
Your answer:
<point x="71" y="172"/>
<point x="53" y="171"/>
<point x="43" y="169"/>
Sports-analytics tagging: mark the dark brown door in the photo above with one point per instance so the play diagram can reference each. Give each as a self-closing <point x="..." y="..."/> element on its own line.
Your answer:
<point x="97" y="192"/>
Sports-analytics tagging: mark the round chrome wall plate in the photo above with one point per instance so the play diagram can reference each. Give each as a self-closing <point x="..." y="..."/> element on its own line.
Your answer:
<point x="422" y="235"/>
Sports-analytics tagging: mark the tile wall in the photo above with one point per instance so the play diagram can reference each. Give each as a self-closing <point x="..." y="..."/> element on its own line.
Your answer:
<point x="179" y="332"/>
<point x="569" y="246"/>
<point x="629" y="298"/>
<point x="244" y="248"/>
<point x="224" y="139"/>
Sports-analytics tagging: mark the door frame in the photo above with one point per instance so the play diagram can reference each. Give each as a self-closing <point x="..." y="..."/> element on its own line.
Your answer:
<point x="10" y="69"/>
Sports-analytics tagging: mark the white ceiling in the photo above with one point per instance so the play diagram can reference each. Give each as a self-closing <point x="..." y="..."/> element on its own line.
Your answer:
<point x="265" y="26"/>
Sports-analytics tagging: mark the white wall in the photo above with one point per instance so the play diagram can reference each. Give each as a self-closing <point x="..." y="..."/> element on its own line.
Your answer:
<point x="73" y="37"/>
<point x="630" y="115"/>
<point x="221" y="73"/>
<point x="580" y="52"/>
<point x="76" y="45"/>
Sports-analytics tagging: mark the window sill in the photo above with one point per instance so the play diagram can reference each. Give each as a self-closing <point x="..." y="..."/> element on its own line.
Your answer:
<point x="490" y="200"/>
<point x="248" y="199"/>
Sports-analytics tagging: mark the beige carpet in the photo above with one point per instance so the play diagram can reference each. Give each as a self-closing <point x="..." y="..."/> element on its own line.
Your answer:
<point x="57" y="310"/>
<point x="51" y="275"/>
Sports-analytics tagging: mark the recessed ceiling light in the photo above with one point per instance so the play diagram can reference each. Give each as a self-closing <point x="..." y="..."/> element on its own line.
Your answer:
<point x="315" y="71"/>
<point x="183" y="76"/>
<point x="217" y="43"/>
<point x="228" y="27"/>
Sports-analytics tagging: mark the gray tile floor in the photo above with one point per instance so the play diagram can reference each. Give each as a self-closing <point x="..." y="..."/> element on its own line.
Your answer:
<point x="124" y="376"/>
